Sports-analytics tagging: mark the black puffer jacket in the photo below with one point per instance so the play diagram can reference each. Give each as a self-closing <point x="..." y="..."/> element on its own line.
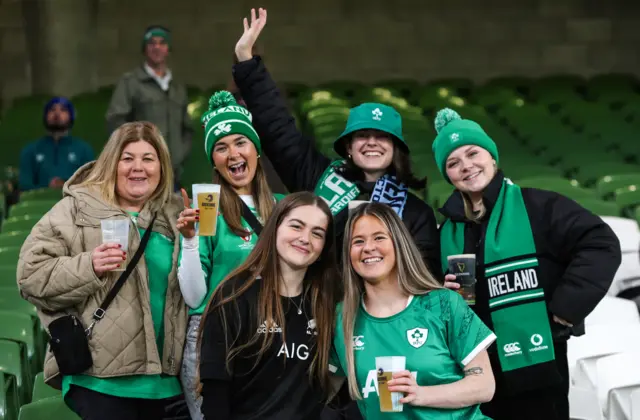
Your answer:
<point x="578" y="256"/>
<point x="300" y="165"/>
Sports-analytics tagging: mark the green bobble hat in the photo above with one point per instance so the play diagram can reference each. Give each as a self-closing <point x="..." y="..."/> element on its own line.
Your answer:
<point x="371" y="116"/>
<point x="226" y="117"/>
<point x="454" y="132"/>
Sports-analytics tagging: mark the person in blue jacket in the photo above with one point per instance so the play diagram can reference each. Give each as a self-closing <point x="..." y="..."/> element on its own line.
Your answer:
<point x="52" y="159"/>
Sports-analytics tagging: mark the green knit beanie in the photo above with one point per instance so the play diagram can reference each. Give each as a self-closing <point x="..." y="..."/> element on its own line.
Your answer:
<point x="454" y="132"/>
<point x="226" y="117"/>
<point x="157" y="31"/>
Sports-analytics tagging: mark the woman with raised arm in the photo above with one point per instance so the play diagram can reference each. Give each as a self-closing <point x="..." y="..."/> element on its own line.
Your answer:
<point x="375" y="164"/>
<point x="542" y="265"/>
<point x="233" y="148"/>
<point x="393" y="306"/>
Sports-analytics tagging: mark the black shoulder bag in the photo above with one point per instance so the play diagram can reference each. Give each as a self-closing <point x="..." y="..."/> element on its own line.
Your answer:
<point x="248" y="215"/>
<point x="69" y="343"/>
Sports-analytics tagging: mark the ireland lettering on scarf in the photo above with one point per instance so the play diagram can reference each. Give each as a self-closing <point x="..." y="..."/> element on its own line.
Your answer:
<point x="516" y="297"/>
<point x="338" y="192"/>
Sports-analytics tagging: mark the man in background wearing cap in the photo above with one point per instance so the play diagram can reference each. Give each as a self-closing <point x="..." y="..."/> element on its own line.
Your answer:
<point x="150" y="93"/>
<point x="51" y="160"/>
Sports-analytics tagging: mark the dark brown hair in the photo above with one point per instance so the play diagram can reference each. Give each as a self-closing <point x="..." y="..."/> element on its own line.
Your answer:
<point x="320" y="281"/>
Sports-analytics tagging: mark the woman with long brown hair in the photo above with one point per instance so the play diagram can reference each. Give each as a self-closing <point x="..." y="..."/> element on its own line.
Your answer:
<point x="267" y="331"/>
<point x="233" y="148"/>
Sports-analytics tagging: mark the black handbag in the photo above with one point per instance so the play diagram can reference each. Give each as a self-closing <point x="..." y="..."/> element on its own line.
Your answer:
<point x="69" y="339"/>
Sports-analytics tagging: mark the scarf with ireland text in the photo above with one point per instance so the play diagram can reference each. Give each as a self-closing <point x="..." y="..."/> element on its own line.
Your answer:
<point x="516" y="297"/>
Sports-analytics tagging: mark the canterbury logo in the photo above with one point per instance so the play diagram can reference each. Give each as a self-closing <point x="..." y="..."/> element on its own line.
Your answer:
<point x="511" y="347"/>
<point x="460" y="267"/>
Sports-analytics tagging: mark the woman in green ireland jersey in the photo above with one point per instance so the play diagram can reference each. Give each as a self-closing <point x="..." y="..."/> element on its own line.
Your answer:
<point x="393" y="306"/>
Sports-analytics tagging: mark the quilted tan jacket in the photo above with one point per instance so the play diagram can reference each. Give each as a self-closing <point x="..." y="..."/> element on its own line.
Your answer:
<point x="55" y="273"/>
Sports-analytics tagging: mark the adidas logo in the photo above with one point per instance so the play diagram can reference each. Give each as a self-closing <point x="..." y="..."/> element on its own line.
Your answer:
<point x="273" y="328"/>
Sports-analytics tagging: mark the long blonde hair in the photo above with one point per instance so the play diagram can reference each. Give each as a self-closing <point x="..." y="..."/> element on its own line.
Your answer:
<point x="413" y="276"/>
<point x="104" y="173"/>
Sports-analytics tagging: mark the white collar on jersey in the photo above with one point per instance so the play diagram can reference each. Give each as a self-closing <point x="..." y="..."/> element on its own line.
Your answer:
<point x="406" y="306"/>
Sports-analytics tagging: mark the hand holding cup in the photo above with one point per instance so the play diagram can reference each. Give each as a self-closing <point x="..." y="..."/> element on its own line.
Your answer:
<point x="188" y="218"/>
<point x="107" y="257"/>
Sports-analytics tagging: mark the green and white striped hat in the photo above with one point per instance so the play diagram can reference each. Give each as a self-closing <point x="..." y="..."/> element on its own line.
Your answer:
<point x="226" y="117"/>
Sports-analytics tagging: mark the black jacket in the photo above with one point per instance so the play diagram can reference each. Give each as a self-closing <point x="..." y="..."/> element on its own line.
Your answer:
<point x="578" y="256"/>
<point x="300" y="165"/>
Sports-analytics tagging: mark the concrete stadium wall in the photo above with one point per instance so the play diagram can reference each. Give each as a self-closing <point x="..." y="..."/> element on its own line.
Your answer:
<point x="70" y="46"/>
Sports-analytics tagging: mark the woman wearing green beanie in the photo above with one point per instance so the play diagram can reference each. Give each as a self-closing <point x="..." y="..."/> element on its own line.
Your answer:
<point x="233" y="148"/>
<point x="374" y="165"/>
<point x="542" y="265"/>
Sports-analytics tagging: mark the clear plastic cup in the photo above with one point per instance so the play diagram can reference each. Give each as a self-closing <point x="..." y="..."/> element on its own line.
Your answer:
<point x="116" y="231"/>
<point x="386" y="367"/>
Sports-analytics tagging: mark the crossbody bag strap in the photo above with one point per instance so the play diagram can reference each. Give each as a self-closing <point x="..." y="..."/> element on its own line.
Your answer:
<point x="98" y="314"/>
<point x="248" y="215"/>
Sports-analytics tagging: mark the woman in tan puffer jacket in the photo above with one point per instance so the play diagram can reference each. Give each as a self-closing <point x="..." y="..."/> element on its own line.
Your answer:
<point x="64" y="268"/>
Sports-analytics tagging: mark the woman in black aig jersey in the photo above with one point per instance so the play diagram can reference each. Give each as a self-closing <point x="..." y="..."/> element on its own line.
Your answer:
<point x="267" y="331"/>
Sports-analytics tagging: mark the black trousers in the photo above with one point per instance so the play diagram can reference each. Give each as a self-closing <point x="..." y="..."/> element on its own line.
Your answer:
<point x="92" y="405"/>
<point x="543" y="404"/>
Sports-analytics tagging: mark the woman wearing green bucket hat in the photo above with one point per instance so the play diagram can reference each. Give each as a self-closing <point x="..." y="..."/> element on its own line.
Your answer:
<point x="375" y="164"/>
<point x="542" y="265"/>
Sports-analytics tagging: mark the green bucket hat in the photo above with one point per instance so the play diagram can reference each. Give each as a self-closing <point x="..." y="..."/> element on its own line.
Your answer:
<point x="371" y="116"/>
<point x="454" y="132"/>
<point x="226" y="117"/>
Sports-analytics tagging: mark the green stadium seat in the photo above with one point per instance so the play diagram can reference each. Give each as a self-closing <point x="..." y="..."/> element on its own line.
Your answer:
<point x="607" y="185"/>
<point x="41" y="390"/>
<point x="13" y="238"/>
<point x="9" y="398"/>
<point x="11" y="364"/>
<point x="26" y="222"/>
<point x="52" y="194"/>
<point x="8" y="273"/>
<point x="589" y="173"/>
<point x="628" y="200"/>
<point x="48" y="408"/>
<point x="600" y="207"/>
<point x="346" y="88"/>
<point x="23" y="329"/>
<point x="569" y="188"/>
<point x="31" y="207"/>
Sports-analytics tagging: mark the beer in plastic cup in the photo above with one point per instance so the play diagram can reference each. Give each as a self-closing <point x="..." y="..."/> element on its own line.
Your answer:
<point x="116" y="231"/>
<point x="206" y="197"/>
<point x="463" y="266"/>
<point x="386" y="367"/>
<point x="354" y="204"/>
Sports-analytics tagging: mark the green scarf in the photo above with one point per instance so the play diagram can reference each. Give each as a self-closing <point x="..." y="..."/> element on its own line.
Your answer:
<point x="338" y="192"/>
<point x="516" y="297"/>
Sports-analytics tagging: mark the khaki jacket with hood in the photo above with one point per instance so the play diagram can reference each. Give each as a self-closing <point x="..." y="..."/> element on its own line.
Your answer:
<point x="55" y="273"/>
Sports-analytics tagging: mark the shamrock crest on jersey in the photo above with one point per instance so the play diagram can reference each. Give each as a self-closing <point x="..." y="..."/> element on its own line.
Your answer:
<point x="417" y="336"/>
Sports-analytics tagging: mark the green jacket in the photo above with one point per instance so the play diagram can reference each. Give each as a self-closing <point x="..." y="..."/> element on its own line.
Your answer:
<point x="137" y="97"/>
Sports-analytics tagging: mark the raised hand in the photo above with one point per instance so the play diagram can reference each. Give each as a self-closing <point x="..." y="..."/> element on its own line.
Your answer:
<point x="107" y="257"/>
<point x="188" y="217"/>
<point x="245" y="44"/>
